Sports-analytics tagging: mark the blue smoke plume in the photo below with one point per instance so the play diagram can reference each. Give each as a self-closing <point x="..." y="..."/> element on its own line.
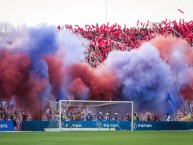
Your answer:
<point x="145" y="77"/>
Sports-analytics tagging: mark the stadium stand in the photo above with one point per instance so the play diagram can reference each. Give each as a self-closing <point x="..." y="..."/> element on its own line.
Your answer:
<point x="104" y="39"/>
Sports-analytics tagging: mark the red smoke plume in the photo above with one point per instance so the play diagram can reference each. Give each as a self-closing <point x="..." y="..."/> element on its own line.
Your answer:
<point x="56" y="71"/>
<point x="166" y="45"/>
<point x="14" y="68"/>
<point x="187" y="90"/>
<point x="15" y="80"/>
<point x="101" y="82"/>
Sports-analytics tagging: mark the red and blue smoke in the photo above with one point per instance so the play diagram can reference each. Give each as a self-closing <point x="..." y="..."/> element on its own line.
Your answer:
<point x="42" y="62"/>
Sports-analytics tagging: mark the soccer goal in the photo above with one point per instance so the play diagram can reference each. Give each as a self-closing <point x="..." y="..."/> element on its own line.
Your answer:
<point x="87" y="115"/>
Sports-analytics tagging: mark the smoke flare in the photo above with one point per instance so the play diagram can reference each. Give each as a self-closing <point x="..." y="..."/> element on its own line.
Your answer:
<point x="42" y="62"/>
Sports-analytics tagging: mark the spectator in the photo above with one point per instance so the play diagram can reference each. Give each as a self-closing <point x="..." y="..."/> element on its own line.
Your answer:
<point x="135" y="117"/>
<point x="187" y="118"/>
<point x="148" y="117"/>
<point x="154" y="118"/>
<point x="14" y="119"/>
<point x="24" y="116"/>
<point x="74" y="117"/>
<point x="128" y="117"/>
<point x="116" y="117"/>
<point x="168" y="117"/>
<point x="78" y="116"/>
<point x="107" y="116"/>
<point x="89" y="116"/>
<point x="100" y="117"/>
<point x="48" y="114"/>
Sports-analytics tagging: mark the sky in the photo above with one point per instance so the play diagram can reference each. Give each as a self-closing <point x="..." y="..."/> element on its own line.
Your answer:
<point x="83" y="12"/>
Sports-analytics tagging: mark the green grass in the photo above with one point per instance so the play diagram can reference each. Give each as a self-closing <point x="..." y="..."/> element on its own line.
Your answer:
<point x="98" y="138"/>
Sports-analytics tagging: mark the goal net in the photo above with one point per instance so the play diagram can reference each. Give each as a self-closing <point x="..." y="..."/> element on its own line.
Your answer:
<point x="86" y="115"/>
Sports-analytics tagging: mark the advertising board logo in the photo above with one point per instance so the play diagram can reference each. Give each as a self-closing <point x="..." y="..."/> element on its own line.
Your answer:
<point x="134" y="125"/>
<point x="3" y="126"/>
<point x="141" y="125"/>
<point x="145" y="125"/>
<point x="111" y="125"/>
<point x="73" y="125"/>
<point x="99" y="124"/>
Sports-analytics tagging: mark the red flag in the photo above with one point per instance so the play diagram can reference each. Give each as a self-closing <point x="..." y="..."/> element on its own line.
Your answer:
<point x="125" y="27"/>
<point x="181" y="11"/>
<point x="58" y="27"/>
<point x="147" y="24"/>
<point x="143" y="25"/>
<point x="93" y="26"/>
<point x="180" y="22"/>
<point x="137" y="23"/>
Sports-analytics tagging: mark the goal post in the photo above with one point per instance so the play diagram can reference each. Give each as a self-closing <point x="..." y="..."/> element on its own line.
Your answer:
<point x="89" y="115"/>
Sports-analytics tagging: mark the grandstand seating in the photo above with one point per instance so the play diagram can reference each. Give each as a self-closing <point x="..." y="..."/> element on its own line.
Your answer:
<point x="105" y="38"/>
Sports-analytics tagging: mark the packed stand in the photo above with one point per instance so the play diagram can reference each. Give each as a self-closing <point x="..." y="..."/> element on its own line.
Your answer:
<point x="75" y="113"/>
<point x="9" y="111"/>
<point x="105" y="38"/>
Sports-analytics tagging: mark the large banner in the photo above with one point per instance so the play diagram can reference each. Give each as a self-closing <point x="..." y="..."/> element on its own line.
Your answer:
<point x="162" y="125"/>
<point x="126" y="125"/>
<point x="105" y="125"/>
<point x="95" y="125"/>
<point x="6" y="126"/>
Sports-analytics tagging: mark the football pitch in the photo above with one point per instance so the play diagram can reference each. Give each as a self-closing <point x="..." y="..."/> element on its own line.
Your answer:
<point x="98" y="138"/>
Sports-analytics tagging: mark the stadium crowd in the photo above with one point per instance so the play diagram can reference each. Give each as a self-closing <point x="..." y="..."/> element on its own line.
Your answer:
<point x="8" y="110"/>
<point x="104" y="39"/>
<point x="76" y="114"/>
